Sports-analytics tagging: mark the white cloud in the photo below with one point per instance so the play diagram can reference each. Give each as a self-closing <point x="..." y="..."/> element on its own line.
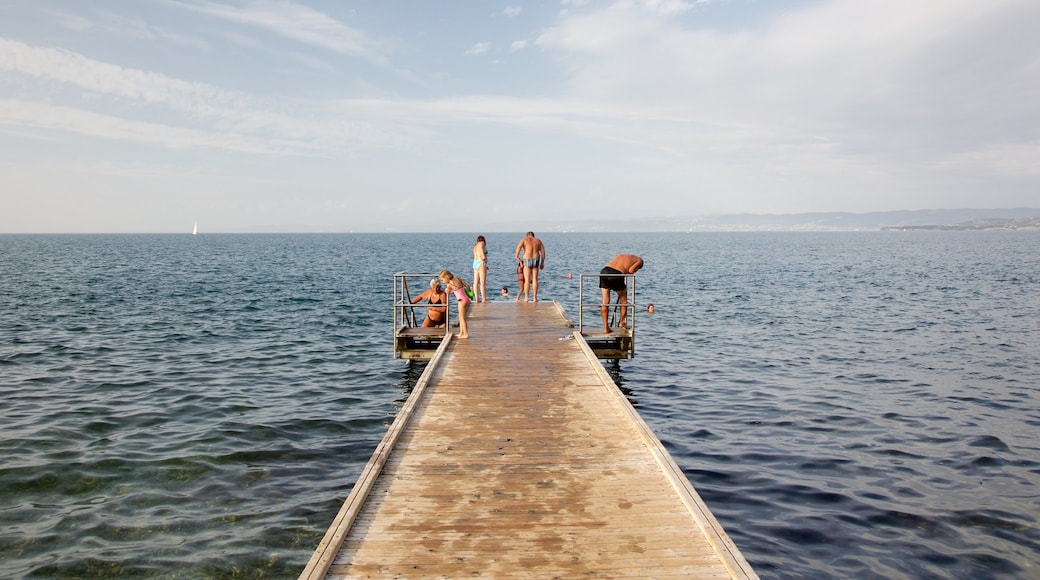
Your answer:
<point x="512" y="11"/>
<point x="479" y="48"/>
<point x="297" y="22"/>
<point x="518" y="45"/>
<point x="667" y="7"/>
<point x="121" y="25"/>
<point x="70" y="21"/>
<point x="63" y="66"/>
<point x="312" y="63"/>
<point x="211" y="117"/>
<point x="870" y="77"/>
<point x="64" y="119"/>
<point x="1014" y="159"/>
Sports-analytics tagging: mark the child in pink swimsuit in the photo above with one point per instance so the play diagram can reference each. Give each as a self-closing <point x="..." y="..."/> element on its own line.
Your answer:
<point x="458" y="287"/>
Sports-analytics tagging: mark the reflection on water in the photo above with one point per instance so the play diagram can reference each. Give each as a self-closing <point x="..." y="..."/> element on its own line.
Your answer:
<point x="613" y="367"/>
<point x="410" y="375"/>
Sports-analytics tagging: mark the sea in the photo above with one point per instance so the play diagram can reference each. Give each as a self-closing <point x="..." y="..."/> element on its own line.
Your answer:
<point x="848" y="404"/>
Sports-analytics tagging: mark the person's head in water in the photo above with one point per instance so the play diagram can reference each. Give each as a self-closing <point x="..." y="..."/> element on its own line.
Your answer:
<point x="650" y="308"/>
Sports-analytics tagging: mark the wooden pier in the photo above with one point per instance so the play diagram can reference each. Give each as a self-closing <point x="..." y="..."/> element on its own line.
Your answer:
<point x="412" y="341"/>
<point x="516" y="456"/>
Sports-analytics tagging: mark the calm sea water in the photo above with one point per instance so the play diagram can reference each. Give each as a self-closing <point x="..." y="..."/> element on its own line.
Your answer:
<point x="848" y="404"/>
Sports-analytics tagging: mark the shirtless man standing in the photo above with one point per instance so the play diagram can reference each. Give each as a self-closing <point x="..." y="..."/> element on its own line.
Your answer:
<point x="531" y="253"/>
<point x="610" y="279"/>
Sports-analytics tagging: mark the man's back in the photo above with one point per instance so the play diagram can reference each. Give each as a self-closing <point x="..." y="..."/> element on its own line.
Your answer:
<point x="533" y="247"/>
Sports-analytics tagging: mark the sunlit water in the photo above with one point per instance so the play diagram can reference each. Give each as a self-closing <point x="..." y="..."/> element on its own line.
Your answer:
<point x="848" y="405"/>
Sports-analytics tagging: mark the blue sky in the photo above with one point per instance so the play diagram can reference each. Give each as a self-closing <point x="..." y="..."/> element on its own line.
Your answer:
<point x="267" y="115"/>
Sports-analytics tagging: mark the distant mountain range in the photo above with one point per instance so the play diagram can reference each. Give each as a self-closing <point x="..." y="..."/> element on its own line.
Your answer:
<point x="932" y="219"/>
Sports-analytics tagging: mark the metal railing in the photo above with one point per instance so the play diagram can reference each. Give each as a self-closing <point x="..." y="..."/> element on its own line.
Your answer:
<point x="413" y="341"/>
<point x="404" y="311"/>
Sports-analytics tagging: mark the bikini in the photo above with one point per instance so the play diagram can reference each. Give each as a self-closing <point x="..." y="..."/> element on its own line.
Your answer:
<point x="460" y="294"/>
<point x="439" y="310"/>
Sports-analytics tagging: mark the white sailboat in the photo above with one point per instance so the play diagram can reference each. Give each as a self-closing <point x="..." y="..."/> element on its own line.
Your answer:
<point x="195" y="230"/>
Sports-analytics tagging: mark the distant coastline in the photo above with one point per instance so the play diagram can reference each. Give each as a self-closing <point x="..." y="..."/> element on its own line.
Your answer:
<point x="1024" y="224"/>
<point x="1025" y="219"/>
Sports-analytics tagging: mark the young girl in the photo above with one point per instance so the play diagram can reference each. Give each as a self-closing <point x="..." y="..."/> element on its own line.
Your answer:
<point x="458" y="287"/>
<point x="519" y="279"/>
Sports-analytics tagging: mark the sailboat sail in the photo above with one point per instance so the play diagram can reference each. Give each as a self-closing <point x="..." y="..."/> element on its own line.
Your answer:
<point x="195" y="230"/>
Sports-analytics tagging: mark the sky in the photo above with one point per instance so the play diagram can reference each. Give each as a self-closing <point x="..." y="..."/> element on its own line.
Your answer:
<point x="384" y="115"/>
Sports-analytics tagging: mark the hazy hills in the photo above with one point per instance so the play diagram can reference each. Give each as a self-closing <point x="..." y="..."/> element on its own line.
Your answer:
<point x="933" y="219"/>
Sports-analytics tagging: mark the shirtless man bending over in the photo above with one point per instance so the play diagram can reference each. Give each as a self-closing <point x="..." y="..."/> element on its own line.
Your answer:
<point x="531" y="252"/>
<point x="610" y="278"/>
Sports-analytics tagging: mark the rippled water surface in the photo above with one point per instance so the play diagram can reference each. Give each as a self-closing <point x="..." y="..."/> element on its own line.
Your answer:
<point x="849" y="405"/>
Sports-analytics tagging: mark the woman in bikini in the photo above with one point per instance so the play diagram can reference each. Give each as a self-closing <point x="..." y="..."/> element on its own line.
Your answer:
<point x="458" y="287"/>
<point x="480" y="268"/>
<point x="434" y="314"/>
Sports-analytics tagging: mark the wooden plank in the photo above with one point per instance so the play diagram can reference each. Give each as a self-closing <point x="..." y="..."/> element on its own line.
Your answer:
<point x="420" y="331"/>
<point x="517" y="456"/>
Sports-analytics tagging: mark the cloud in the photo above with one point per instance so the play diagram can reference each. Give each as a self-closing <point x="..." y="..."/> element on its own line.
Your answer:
<point x="512" y="11"/>
<point x="67" y="67"/>
<point x="70" y="21"/>
<point x="64" y="119"/>
<point x="806" y="100"/>
<point x="297" y="22"/>
<point x="479" y="48"/>
<point x="120" y="25"/>
<point x="181" y="114"/>
<point x="881" y="79"/>
<point x="178" y="114"/>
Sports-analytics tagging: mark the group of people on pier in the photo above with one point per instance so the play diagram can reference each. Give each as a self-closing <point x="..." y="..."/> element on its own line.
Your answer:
<point x="530" y="257"/>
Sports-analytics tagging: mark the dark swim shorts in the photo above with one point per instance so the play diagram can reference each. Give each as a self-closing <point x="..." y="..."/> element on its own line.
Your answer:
<point x="615" y="283"/>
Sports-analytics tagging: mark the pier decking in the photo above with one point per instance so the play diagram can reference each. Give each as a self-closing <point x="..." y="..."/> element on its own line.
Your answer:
<point x="517" y="456"/>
